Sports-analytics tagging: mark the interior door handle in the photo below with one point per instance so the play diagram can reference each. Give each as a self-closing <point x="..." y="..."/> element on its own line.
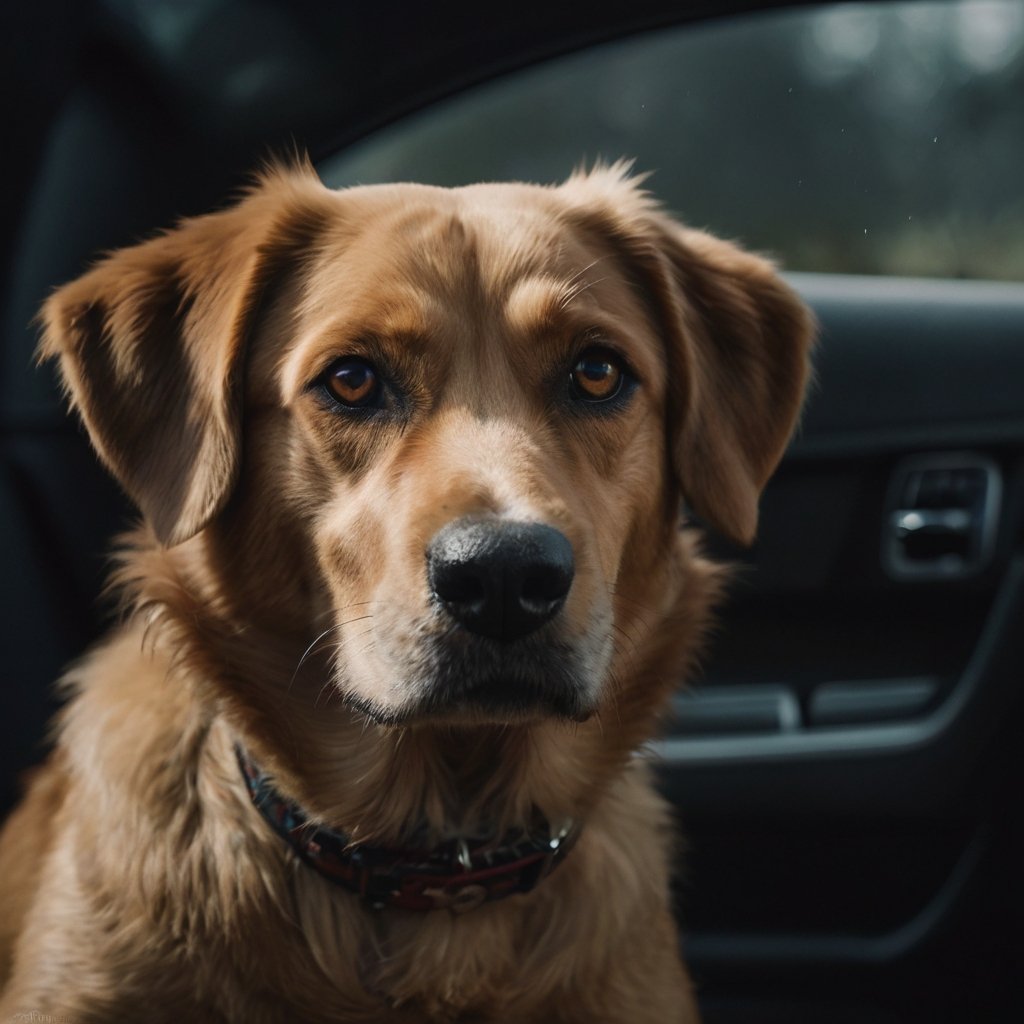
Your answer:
<point x="943" y="518"/>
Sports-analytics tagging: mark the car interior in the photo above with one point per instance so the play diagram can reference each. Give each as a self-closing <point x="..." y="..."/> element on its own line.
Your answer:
<point x="846" y="767"/>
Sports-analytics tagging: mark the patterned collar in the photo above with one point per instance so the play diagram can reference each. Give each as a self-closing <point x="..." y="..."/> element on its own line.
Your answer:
<point x="457" y="875"/>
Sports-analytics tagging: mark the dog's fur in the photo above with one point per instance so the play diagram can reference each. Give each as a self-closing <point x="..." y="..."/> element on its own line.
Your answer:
<point x="137" y="881"/>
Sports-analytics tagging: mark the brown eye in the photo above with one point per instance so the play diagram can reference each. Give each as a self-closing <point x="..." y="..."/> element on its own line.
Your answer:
<point x="597" y="375"/>
<point x="353" y="382"/>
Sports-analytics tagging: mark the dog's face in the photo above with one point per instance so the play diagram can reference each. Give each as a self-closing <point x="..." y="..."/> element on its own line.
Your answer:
<point x="442" y="434"/>
<point x="475" y="404"/>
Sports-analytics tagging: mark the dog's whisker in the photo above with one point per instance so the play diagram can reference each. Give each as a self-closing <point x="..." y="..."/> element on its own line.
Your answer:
<point x="584" y="287"/>
<point x="336" y="648"/>
<point x="355" y="604"/>
<point x="571" y="287"/>
<point x="331" y="611"/>
<point x="309" y="650"/>
<point x="314" y="649"/>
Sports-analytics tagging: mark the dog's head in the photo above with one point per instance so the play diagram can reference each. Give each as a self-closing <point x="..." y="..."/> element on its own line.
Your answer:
<point x="445" y="431"/>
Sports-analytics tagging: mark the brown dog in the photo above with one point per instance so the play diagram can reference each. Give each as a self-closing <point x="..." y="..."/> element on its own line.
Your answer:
<point x="409" y="594"/>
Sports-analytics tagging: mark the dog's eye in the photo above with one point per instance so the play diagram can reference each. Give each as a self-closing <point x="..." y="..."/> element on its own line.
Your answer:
<point x="353" y="382"/>
<point x="597" y="375"/>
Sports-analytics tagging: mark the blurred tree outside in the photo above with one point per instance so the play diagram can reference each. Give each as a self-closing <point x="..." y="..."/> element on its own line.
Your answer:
<point x="867" y="138"/>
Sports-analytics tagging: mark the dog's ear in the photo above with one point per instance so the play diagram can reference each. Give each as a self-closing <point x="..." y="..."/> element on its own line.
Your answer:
<point x="150" y="345"/>
<point x="738" y="343"/>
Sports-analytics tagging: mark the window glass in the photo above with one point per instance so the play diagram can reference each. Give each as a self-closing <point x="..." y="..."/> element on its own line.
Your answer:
<point x="868" y="138"/>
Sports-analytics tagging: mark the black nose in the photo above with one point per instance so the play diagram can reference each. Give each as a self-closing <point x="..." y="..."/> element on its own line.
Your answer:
<point x="500" y="579"/>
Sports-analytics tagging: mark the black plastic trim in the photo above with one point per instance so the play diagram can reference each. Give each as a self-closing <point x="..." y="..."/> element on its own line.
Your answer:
<point x="867" y="741"/>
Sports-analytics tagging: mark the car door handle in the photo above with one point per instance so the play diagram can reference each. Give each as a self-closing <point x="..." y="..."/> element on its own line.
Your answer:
<point x="944" y="516"/>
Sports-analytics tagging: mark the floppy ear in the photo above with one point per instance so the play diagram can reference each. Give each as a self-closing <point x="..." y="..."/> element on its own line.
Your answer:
<point x="738" y="341"/>
<point x="150" y="344"/>
<point x="741" y="339"/>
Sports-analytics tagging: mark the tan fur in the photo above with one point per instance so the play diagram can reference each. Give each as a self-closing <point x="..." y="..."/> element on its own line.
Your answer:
<point x="280" y="574"/>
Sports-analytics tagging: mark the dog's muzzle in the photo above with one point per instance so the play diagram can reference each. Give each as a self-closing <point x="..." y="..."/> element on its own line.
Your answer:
<point x="496" y="584"/>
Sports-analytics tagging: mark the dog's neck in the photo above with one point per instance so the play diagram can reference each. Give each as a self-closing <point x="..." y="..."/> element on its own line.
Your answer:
<point x="401" y="787"/>
<point x="458" y="874"/>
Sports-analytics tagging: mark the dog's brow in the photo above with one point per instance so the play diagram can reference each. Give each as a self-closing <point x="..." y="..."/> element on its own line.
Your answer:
<point x="537" y="302"/>
<point x="412" y="326"/>
<point x="410" y="314"/>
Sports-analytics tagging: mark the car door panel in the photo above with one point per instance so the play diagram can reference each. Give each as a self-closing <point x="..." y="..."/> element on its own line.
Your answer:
<point x="839" y="768"/>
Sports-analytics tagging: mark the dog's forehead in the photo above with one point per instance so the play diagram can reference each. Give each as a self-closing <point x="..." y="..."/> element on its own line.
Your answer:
<point x="474" y="244"/>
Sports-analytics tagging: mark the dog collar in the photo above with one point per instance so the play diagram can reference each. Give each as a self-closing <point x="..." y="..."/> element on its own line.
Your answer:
<point x="457" y="875"/>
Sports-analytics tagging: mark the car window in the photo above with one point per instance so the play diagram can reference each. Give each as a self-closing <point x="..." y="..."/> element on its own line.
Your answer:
<point x="875" y="138"/>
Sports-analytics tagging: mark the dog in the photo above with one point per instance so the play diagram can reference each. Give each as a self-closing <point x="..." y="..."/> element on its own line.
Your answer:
<point x="410" y="592"/>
